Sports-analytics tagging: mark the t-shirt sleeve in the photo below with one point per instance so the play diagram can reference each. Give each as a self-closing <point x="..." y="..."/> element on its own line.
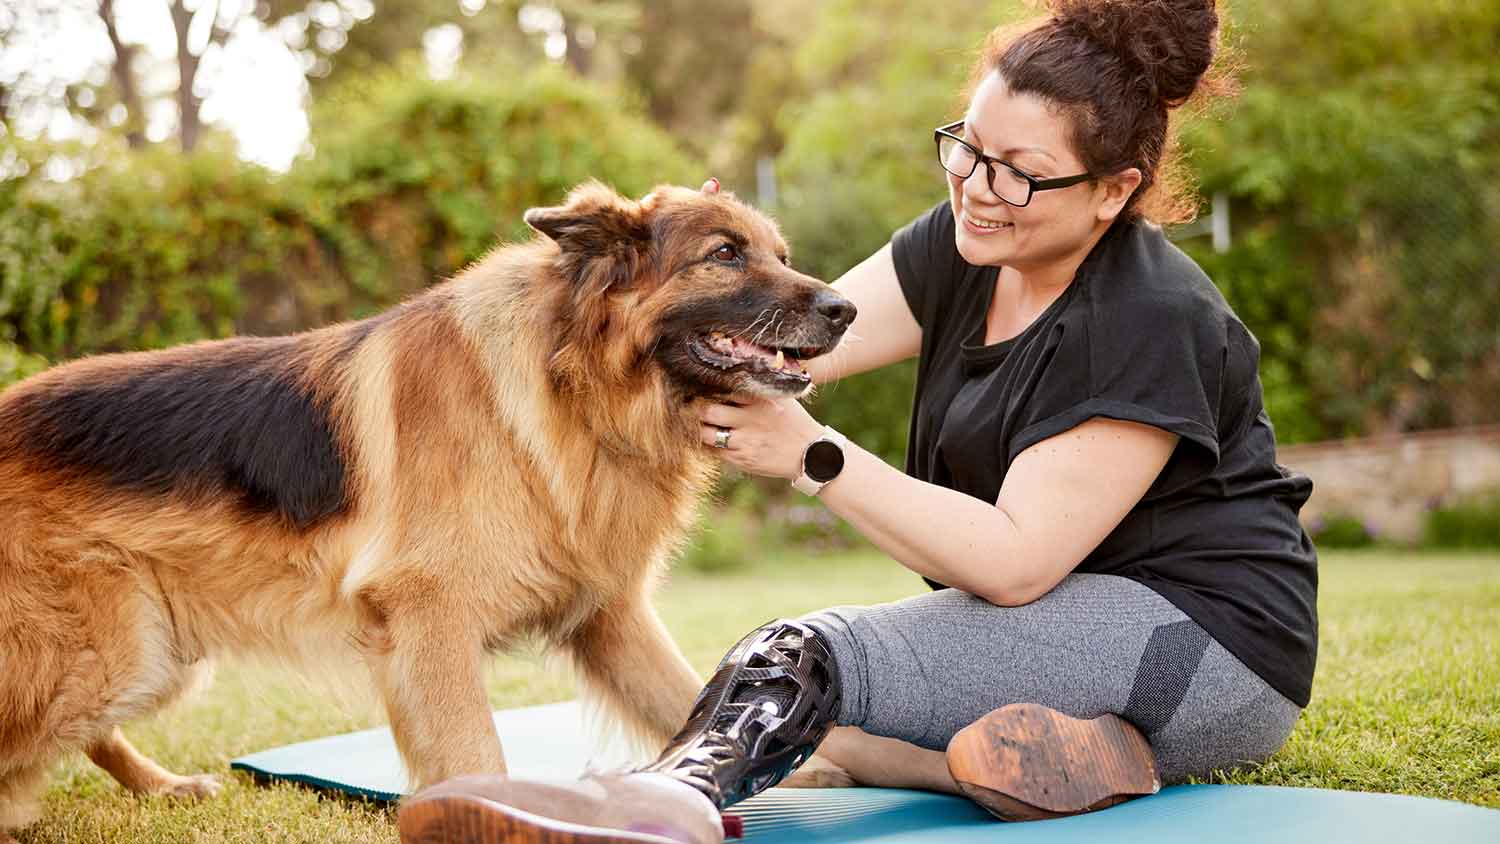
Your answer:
<point x="1159" y="361"/>
<point x="927" y="264"/>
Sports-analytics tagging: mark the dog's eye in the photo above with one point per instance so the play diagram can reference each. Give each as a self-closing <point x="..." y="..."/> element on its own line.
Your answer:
<point x="727" y="253"/>
<point x="784" y="261"/>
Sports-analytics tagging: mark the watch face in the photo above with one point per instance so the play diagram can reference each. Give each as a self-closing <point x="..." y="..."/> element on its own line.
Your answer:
<point x="824" y="461"/>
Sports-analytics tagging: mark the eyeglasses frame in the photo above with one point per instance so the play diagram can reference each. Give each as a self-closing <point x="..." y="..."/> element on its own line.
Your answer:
<point x="989" y="162"/>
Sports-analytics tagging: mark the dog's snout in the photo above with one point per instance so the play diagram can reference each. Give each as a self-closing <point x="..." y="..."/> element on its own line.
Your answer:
<point x="835" y="308"/>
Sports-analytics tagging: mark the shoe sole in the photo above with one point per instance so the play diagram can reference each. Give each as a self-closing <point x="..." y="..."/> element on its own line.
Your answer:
<point x="466" y="819"/>
<point x="1028" y="762"/>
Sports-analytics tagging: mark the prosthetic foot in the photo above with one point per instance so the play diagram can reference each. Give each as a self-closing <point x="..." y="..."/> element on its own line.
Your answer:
<point x="772" y="700"/>
<point x="769" y="705"/>
<point x="1028" y="762"/>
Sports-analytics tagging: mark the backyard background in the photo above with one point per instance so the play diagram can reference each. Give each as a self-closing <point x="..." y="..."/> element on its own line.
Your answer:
<point x="174" y="170"/>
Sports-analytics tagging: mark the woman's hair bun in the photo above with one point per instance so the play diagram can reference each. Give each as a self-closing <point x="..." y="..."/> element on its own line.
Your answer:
<point x="1170" y="43"/>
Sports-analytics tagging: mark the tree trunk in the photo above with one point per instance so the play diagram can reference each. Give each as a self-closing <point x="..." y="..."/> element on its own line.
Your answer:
<point x="187" y="70"/>
<point x="578" y="57"/>
<point x="130" y="95"/>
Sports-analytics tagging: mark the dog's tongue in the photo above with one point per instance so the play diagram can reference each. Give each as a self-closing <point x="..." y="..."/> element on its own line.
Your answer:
<point x="743" y="349"/>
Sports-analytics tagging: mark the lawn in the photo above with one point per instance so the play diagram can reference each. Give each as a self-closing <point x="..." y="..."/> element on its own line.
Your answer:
<point x="1407" y="699"/>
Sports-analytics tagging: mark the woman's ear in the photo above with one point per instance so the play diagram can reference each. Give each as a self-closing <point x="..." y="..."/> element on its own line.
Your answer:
<point x="1114" y="191"/>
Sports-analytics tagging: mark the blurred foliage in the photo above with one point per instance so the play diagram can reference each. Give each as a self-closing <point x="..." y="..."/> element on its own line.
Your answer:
<point x="413" y="179"/>
<point x="1338" y="530"/>
<point x="724" y="540"/>
<point x="1365" y="217"/>
<point x="16" y="364"/>
<point x="1472" y="522"/>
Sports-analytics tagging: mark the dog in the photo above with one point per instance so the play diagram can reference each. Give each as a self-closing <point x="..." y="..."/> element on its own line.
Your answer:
<point x="511" y="453"/>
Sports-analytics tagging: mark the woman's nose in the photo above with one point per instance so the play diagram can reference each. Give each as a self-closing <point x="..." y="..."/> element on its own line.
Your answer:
<point x="977" y="186"/>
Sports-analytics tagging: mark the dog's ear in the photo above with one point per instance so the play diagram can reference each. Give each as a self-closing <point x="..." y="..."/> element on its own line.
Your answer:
<point x="603" y="238"/>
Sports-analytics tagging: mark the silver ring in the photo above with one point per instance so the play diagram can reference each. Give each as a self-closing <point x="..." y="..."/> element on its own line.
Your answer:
<point x="721" y="439"/>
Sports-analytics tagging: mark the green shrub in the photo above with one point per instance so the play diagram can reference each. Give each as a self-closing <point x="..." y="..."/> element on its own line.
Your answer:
<point x="724" y="540"/>
<point x="1473" y="522"/>
<point x="412" y="179"/>
<point x="1341" y="531"/>
<point x="16" y="364"/>
<point x="1363" y="217"/>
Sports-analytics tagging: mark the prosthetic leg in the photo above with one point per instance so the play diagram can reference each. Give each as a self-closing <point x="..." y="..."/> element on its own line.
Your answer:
<point x="771" y="701"/>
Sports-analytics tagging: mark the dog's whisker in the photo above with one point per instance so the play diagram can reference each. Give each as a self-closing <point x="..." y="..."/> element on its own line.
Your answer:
<point x="746" y="329"/>
<point x="751" y="325"/>
<point x="768" y="325"/>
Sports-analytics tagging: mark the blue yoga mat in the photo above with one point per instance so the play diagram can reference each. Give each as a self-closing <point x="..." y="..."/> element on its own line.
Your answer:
<point x="549" y="741"/>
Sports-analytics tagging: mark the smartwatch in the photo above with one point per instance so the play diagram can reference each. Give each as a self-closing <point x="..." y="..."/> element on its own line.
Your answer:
<point x="822" y="461"/>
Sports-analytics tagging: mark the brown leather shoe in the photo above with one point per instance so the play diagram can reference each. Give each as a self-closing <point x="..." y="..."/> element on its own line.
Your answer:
<point x="612" y="809"/>
<point x="1028" y="762"/>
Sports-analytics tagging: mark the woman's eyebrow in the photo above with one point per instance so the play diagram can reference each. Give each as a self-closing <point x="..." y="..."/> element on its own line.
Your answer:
<point x="969" y="130"/>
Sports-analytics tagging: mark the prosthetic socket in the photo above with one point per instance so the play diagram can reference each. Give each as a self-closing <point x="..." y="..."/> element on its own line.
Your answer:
<point x="769" y="704"/>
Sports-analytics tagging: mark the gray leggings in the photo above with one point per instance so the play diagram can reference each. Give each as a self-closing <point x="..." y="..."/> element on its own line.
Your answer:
<point x="923" y="668"/>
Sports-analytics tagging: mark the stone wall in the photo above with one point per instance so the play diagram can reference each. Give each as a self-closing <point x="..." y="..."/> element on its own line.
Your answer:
<point x="1390" y="482"/>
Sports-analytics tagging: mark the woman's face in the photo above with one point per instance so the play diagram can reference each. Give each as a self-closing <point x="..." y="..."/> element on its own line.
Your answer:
<point x="1022" y="130"/>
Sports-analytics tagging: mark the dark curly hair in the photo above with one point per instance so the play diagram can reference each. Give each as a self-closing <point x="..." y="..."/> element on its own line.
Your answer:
<point x="1115" y="68"/>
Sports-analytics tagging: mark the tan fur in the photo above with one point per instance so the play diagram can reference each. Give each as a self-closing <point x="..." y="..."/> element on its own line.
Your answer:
<point x="505" y="480"/>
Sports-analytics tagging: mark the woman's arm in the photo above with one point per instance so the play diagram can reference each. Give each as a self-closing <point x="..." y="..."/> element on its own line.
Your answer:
<point x="883" y="332"/>
<point x="1060" y="499"/>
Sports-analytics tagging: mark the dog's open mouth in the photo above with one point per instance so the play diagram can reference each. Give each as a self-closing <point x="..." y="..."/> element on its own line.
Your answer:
<point x="781" y="365"/>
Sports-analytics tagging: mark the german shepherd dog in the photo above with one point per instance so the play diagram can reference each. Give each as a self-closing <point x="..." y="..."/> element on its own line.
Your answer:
<point x="513" y="452"/>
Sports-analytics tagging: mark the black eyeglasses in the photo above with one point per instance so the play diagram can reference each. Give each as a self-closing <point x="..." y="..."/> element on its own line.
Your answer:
<point x="960" y="158"/>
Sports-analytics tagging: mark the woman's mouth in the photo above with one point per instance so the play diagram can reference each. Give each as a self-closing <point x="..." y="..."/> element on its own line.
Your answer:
<point x="981" y="227"/>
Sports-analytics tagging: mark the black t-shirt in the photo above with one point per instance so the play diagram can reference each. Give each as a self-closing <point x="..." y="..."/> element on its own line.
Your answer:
<point x="1141" y="334"/>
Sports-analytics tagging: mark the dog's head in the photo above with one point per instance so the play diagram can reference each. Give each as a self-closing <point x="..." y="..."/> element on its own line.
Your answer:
<point x="696" y="284"/>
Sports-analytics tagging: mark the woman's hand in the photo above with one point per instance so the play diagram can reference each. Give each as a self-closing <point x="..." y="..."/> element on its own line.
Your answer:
<point x="766" y="437"/>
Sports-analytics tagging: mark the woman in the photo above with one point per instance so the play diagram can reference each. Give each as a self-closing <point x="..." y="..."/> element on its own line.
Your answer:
<point x="1123" y="593"/>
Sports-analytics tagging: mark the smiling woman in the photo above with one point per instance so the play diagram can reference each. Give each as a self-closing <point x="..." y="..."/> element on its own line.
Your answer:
<point x="1123" y="594"/>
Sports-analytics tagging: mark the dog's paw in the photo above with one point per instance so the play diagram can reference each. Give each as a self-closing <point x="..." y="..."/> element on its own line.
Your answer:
<point x="195" y="787"/>
<point x="818" y="772"/>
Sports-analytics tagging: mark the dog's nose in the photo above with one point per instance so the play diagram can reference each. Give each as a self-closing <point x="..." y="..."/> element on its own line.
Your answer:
<point x="835" y="308"/>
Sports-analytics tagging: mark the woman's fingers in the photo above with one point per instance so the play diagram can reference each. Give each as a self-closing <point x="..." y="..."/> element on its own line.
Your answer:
<point x="723" y="415"/>
<point x="709" y="435"/>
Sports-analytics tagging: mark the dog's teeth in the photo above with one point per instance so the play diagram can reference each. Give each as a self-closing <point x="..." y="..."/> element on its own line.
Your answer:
<point x="780" y="359"/>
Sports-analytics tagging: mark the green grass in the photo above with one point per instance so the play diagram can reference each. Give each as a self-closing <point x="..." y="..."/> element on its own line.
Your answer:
<point x="1407" y="699"/>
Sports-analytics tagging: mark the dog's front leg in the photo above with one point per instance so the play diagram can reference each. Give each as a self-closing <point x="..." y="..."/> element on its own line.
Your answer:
<point x="428" y="665"/>
<point x="628" y="659"/>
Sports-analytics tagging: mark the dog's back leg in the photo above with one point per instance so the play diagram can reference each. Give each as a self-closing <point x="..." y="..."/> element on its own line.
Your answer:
<point x="140" y="774"/>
